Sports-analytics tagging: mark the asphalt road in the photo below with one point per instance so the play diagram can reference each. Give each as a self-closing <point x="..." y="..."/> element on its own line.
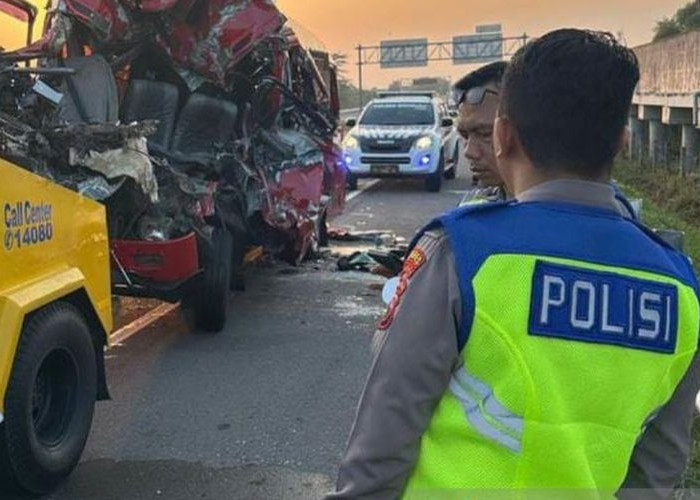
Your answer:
<point x="261" y="410"/>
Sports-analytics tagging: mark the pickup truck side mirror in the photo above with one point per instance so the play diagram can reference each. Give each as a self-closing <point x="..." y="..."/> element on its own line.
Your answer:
<point x="350" y="122"/>
<point x="447" y="122"/>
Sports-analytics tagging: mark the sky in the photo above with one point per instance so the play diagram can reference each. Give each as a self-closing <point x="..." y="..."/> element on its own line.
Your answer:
<point x="343" y="24"/>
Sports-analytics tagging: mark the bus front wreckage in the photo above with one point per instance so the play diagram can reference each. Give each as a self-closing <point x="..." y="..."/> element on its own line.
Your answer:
<point x="145" y="148"/>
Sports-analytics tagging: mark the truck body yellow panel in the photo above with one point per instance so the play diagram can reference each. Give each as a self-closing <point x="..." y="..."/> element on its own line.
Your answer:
<point x="53" y="242"/>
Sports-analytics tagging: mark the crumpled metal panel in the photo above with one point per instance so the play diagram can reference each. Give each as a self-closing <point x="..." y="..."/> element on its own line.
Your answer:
<point x="222" y="34"/>
<point x="335" y="182"/>
<point x="157" y="5"/>
<point x="290" y="186"/>
<point x="109" y="19"/>
<point x="295" y="202"/>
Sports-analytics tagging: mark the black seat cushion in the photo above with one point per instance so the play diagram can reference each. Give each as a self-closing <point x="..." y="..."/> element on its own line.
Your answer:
<point x="153" y="100"/>
<point x="90" y="95"/>
<point x="204" y="122"/>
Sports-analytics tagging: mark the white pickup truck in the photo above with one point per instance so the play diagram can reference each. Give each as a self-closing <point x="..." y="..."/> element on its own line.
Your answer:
<point x="402" y="134"/>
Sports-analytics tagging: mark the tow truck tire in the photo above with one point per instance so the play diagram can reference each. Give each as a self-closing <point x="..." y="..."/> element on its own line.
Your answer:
<point x="50" y="401"/>
<point x="351" y="181"/>
<point x="211" y="303"/>
<point x="433" y="183"/>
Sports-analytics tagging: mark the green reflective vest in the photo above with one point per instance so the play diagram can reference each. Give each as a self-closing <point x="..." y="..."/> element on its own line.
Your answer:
<point x="569" y="348"/>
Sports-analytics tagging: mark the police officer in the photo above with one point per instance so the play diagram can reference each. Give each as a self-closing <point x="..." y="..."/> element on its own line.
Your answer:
<point x="477" y="95"/>
<point x="546" y="342"/>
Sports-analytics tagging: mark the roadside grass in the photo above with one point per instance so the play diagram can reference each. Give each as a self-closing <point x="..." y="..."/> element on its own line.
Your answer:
<point x="670" y="201"/>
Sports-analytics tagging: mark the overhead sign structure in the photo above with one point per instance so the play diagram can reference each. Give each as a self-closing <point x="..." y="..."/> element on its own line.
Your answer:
<point x="484" y="47"/>
<point x="489" y="28"/>
<point x="403" y="53"/>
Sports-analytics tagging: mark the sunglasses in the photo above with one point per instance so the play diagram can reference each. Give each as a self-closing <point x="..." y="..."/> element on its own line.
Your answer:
<point x="473" y="96"/>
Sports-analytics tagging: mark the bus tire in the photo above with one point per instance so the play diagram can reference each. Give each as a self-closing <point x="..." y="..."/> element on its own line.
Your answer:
<point x="211" y="301"/>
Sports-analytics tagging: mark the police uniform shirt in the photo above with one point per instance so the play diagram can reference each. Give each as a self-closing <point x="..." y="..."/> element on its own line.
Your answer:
<point x="422" y="328"/>
<point x="484" y="194"/>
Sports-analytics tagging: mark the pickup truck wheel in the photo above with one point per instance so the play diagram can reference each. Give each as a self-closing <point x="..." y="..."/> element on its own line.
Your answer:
<point x="211" y="301"/>
<point x="433" y="183"/>
<point x="49" y="402"/>
<point x="451" y="173"/>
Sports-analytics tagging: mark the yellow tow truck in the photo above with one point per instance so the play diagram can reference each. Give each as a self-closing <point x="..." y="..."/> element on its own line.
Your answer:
<point x="55" y="319"/>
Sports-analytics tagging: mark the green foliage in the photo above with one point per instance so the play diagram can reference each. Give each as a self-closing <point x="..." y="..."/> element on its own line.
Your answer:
<point x="666" y="28"/>
<point x="686" y="19"/>
<point x="670" y="201"/>
<point x="349" y="95"/>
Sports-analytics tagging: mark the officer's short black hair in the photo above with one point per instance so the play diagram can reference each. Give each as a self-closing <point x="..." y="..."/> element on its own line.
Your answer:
<point x="568" y="95"/>
<point x="489" y="73"/>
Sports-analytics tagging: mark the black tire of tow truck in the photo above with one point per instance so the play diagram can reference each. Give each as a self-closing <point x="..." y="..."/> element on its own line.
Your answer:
<point x="451" y="173"/>
<point x="50" y="401"/>
<point x="433" y="182"/>
<point x="211" y="301"/>
<point x="351" y="181"/>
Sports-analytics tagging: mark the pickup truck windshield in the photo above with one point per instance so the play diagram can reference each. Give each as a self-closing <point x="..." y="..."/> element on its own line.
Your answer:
<point x="399" y="113"/>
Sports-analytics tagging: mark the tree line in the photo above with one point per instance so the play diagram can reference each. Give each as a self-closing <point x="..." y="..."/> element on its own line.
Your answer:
<point x="686" y="19"/>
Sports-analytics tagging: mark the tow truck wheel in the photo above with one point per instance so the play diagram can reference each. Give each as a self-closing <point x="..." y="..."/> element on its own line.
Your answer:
<point x="211" y="301"/>
<point x="433" y="183"/>
<point x="49" y="402"/>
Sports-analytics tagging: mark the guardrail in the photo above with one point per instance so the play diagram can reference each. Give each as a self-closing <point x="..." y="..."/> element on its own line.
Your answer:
<point x="349" y="113"/>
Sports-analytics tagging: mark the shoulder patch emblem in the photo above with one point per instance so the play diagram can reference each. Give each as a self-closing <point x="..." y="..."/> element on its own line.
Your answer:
<point x="415" y="260"/>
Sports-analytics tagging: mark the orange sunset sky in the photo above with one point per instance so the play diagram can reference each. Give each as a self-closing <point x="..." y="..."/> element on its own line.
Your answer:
<point x="342" y="24"/>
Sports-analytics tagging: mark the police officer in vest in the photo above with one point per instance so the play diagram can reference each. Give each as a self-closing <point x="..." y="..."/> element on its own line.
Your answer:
<point x="544" y="343"/>
<point x="477" y="95"/>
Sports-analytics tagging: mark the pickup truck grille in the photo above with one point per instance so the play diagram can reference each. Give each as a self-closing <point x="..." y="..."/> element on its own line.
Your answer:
<point x="386" y="160"/>
<point x="379" y="146"/>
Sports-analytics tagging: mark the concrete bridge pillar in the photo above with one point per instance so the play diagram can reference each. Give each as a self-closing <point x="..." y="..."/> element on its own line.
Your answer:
<point x="657" y="142"/>
<point x="636" y="139"/>
<point x="689" y="148"/>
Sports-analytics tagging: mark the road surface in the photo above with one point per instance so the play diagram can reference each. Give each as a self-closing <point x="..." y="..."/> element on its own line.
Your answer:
<point x="261" y="410"/>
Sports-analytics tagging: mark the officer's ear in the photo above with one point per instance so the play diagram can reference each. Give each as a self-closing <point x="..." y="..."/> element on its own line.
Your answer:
<point x="503" y="137"/>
